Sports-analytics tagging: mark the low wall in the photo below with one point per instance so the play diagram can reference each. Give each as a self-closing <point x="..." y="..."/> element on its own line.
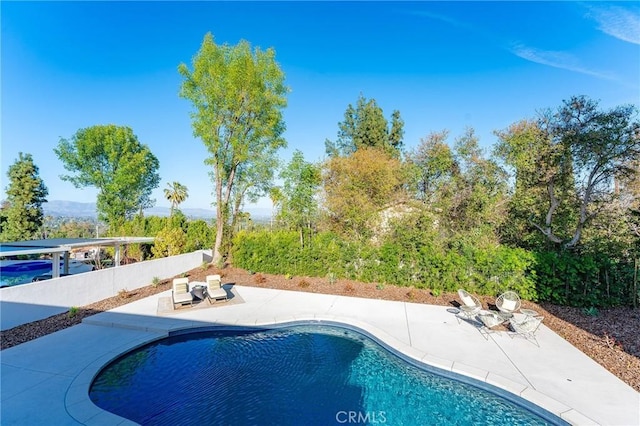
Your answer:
<point x="25" y="303"/>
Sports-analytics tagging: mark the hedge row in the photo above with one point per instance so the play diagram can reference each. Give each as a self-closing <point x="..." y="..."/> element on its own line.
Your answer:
<point x="487" y="270"/>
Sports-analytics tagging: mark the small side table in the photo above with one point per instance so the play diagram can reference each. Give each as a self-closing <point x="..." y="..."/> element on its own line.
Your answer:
<point x="198" y="292"/>
<point x="530" y="313"/>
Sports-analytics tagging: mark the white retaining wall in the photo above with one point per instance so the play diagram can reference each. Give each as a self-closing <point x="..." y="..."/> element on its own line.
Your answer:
<point x="25" y="303"/>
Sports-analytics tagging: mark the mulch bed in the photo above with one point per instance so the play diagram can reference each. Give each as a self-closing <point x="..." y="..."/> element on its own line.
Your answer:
<point x="611" y="337"/>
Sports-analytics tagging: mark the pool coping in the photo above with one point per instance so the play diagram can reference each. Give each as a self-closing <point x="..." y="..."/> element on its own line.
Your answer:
<point x="261" y="311"/>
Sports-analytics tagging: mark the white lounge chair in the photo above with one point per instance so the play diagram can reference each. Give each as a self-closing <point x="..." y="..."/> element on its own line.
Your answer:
<point x="214" y="288"/>
<point x="470" y="304"/>
<point x="508" y="303"/>
<point x="180" y="293"/>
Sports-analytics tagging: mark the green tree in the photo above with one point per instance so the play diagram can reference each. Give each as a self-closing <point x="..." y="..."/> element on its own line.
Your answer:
<point x="25" y="194"/>
<point x="574" y="158"/>
<point x="299" y="208"/>
<point x="358" y="188"/>
<point x="479" y="190"/>
<point x="237" y="95"/>
<point x="111" y="158"/>
<point x="433" y="166"/>
<point x="176" y="193"/>
<point x="365" y="126"/>
<point x="460" y="187"/>
<point x="538" y="166"/>
<point x="253" y="180"/>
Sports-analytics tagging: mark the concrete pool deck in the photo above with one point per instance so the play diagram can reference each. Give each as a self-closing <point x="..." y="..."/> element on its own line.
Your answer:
<point x="46" y="381"/>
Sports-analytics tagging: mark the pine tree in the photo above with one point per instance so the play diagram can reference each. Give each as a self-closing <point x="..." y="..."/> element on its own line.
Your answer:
<point x="25" y="194"/>
<point x="365" y="127"/>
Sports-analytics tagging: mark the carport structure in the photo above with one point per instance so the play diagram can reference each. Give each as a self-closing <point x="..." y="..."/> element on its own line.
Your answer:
<point x="63" y="246"/>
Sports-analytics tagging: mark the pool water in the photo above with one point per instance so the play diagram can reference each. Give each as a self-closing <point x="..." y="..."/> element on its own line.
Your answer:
<point x="23" y="272"/>
<point x="297" y="375"/>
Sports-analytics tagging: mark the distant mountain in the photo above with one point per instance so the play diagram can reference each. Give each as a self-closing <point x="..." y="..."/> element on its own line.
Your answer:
<point x="69" y="209"/>
<point x="88" y="210"/>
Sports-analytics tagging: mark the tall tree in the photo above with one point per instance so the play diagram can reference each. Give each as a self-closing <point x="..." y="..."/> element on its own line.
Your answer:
<point x="573" y="156"/>
<point x="365" y="127"/>
<point x="176" y="193"/>
<point x="25" y="194"/>
<point x="359" y="187"/>
<point x="238" y="96"/>
<point x="111" y="158"/>
<point x="480" y="187"/>
<point x="433" y="165"/>
<point x="254" y="180"/>
<point x="299" y="209"/>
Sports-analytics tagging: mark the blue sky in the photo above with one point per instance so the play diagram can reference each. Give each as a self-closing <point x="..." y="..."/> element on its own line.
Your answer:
<point x="443" y="65"/>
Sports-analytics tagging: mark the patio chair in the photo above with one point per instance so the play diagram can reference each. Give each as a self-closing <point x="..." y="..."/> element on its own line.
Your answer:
<point x="508" y="303"/>
<point x="180" y="293"/>
<point x="214" y="288"/>
<point x="470" y="304"/>
<point x="526" y="327"/>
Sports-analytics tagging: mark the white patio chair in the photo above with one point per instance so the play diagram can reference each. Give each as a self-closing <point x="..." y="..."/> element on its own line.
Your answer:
<point x="214" y="288"/>
<point x="508" y="303"/>
<point x="180" y="293"/>
<point x="470" y="304"/>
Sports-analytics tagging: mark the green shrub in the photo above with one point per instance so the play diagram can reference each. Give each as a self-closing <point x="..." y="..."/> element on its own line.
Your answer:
<point x="420" y="264"/>
<point x="583" y="280"/>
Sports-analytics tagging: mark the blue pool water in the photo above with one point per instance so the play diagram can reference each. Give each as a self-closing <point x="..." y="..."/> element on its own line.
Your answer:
<point x="299" y="375"/>
<point x="15" y="276"/>
<point x="24" y="271"/>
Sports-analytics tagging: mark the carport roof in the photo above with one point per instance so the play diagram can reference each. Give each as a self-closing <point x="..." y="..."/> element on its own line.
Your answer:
<point x="58" y="245"/>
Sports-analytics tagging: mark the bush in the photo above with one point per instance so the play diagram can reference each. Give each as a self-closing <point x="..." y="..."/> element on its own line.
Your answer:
<point x="406" y="261"/>
<point x="582" y="280"/>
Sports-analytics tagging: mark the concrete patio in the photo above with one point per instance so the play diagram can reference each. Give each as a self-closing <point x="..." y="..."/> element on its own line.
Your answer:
<point x="46" y="381"/>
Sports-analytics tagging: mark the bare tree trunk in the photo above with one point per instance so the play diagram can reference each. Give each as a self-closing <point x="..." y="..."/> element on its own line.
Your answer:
<point x="547" y="230"/>
<point x="217" y="255"/>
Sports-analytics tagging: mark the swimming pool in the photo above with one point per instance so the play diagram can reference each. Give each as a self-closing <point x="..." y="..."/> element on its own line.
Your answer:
<point x="15" y="272"/>
<point x="293" y="375"/>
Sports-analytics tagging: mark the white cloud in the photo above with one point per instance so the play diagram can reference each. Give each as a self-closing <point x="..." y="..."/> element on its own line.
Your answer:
<point x="618" y="22"/>
<point x="555" y="59"/>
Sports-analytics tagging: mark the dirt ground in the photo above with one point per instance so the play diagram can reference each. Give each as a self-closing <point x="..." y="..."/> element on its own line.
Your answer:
<point x="611" y="338"/>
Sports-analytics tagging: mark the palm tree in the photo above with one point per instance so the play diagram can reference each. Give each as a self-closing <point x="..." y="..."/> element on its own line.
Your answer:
<point x="275" y="193"/>
<point x="176" y="193"/>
